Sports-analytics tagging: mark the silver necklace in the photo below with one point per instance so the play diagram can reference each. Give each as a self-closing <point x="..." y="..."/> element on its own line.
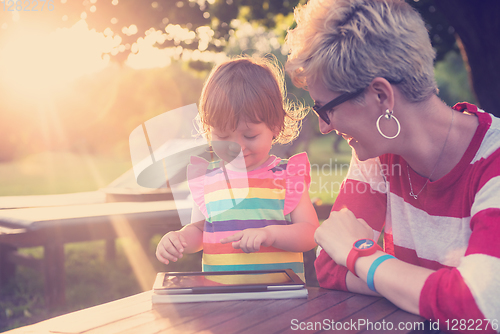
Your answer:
<point x="412" y="193"/>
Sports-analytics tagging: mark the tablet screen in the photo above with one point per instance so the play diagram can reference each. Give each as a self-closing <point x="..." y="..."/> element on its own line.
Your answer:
<point x="192" y="281"/>
<point x="226" y="281"/>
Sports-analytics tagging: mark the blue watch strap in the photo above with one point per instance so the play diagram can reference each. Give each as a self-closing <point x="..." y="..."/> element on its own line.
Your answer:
<point x="373" y="268"/>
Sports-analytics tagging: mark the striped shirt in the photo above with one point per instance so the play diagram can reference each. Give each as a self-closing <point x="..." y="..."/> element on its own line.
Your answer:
<point x="233" y="201"/>
<point x="453" y="227"/>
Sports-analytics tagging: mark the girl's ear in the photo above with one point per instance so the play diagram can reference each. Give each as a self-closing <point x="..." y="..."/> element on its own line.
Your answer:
<point x="384" y="92"/>
<point x="276" y="133"/>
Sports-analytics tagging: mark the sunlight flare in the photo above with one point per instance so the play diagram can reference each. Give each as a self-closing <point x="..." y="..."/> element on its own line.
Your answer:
<point x="35" y="64"/>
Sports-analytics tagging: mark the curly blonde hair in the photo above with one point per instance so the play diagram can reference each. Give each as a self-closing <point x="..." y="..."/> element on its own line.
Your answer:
<point x="348" y="43"/>
<point x="253" y="90"/>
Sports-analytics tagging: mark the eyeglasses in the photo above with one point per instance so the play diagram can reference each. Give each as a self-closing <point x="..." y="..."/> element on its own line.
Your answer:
<point x="322" y="112"/>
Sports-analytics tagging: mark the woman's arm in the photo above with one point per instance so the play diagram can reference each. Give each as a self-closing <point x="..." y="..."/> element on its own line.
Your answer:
<point x="396" y="280"/>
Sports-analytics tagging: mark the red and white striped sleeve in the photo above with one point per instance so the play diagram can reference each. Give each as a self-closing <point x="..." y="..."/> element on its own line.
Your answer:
<point x="471" y="291"/>
<point x="364" y="193"/>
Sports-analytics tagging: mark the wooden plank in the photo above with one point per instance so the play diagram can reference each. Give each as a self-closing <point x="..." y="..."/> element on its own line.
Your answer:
<point x="220" y="315"/>
<point x="110" y="249"/>
<point x="166" y="317"/>
<point x="318" y="300"/>
<point x="74" y="233"/>
<point x="54" y="275"/>
<point x="5" y="231"/>
<point x="410" y="323"/>
<point x="124" y="325"/>
<point x="33" y="218"/>
<point x="258" y="313"/>
<point x="7" y="268"/>
<point x="16" y="236"/>
<point x="88" y="319"/>
<point x="337" y="312"/>
<point x="373" y="314"/>
<point x="90" y="197"/>
<point x="144" y="320"/>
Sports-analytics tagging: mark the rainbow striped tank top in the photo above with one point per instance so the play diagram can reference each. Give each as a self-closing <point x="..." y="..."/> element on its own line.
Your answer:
<point x="233" y="201"/>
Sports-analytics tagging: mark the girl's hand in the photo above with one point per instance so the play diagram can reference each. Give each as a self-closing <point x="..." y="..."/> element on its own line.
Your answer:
<point x="251" y="239"/>
<point x="339" y="232"/>
<point x="171" y="247"/>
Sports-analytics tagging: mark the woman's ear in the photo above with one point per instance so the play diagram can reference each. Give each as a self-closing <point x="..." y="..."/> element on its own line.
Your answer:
<point x="384" y="92"/>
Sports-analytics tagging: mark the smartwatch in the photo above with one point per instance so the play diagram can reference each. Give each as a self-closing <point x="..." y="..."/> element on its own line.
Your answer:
<point x="362" y="247"/>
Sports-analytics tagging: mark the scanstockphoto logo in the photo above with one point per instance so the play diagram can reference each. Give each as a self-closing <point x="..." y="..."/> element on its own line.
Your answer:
<point x="331" y="178"/>
<point x="335" y="168"/>
<point x="358" y="325"/>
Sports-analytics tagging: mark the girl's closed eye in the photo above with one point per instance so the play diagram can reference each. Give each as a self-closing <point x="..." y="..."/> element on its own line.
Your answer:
<point x="251" y="137"/>
<point x="220" y="136"/>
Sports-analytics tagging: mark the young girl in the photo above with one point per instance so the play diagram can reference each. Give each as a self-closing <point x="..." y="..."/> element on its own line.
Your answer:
<point x="252" y="210"/>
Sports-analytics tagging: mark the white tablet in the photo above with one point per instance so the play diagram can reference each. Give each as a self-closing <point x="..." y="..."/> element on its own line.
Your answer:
<point x="226" y="281"/>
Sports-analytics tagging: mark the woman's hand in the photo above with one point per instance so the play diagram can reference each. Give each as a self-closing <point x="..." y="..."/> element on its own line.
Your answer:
<point x="251" y="239"/>
<point x="337" y="234"/>
<point x="171" y="247"/>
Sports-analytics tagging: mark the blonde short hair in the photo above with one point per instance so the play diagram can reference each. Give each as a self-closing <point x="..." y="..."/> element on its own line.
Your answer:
<point x="348" y="43"/>
<point x="253" y="90"/>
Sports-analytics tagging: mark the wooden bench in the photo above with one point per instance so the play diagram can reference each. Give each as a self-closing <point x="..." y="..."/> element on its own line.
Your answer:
<point x="52" y="227"/>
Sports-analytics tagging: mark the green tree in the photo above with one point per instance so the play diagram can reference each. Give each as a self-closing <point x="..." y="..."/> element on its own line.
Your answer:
<point x="471" y="26"/>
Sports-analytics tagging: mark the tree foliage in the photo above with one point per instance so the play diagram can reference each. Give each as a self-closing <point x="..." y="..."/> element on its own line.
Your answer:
<point x="133" y="19"/>
<point x="473" y="28"/>
<point x="473" y="24"/>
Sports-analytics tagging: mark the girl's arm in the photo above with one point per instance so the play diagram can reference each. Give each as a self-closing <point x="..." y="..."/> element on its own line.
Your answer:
<point x="193" y="233"/>
<point x="189" y="239"/>
<point x="297" y="237"/>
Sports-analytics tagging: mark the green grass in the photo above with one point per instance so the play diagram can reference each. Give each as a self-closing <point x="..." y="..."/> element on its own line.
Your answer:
<point x="90" y="278"/>
<point x="90" y="281"/>
<point x="59" y="173"/>
<point x="328" y="169"/>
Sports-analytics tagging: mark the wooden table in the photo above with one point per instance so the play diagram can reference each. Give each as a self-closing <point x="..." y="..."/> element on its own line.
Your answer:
<point x="52" y="227"/>
<point x="136" y="314"/>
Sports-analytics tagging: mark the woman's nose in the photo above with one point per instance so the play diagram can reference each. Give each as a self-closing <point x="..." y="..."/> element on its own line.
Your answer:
<point x="324" y="128"/>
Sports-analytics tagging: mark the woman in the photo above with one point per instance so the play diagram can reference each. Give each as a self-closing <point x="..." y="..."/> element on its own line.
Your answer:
<point x="426" y="173"/>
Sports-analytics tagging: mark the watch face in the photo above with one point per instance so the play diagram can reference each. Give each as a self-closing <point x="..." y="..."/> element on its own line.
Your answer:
<point x="364" y="244"/>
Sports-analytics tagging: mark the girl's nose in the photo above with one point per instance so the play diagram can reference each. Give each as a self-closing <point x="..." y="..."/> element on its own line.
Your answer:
<point x="235" y="147"/>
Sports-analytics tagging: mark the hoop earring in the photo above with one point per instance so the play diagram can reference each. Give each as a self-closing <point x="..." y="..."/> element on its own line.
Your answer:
<point x="388" y="115"/>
